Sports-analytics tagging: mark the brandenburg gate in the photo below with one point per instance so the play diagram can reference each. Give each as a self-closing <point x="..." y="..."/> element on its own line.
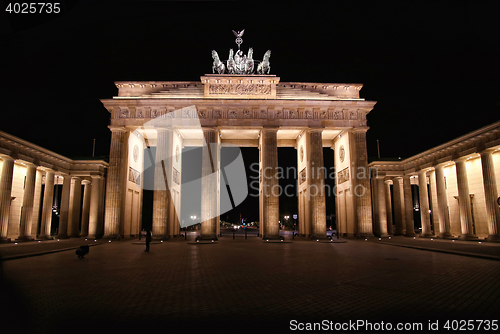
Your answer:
<point x="239" y="104"/>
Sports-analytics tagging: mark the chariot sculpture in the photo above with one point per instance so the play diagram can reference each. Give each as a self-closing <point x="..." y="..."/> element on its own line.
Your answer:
<point x="238" y="62"/>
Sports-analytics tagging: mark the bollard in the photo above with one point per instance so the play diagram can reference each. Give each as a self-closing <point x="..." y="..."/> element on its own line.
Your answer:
<point x="233" y="233"/>
<point x="245" y="234"/>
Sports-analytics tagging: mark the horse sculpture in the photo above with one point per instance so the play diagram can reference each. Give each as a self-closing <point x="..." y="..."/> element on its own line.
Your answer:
<point x="217" y="65"/>
<point x="231" y="65"/>
<point x="250" y="64"/>
<point x="265" y="66"/>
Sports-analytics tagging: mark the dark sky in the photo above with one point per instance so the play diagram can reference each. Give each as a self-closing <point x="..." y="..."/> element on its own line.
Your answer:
<point x="434" y="68"/>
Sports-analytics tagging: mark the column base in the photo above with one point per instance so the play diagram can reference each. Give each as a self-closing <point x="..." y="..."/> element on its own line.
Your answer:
<point x="467" y="237"/>
<point x="384" y="235"/>
<point x="45" y="237"/>
<point x="109" y="236"/>
<point x="398" y="234"/>
<point x="410" y="235"/>
<point x="206" y="239"/>
<point x="445" y="236"/>
<point x="364" y="236"/>
<point x="493" y="238"/>
<point x="75" y="236"/>
<point x="427" y="235"/>
<point x="273" y="237"/>
<point x="24" y="238"/>
<point x="64" y="236"/>
<point x="160" y="238"/>
<point x="321" y="237"/>
<point x="4" y="240"/>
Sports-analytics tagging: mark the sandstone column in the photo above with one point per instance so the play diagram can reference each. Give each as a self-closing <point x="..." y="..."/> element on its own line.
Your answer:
<point x="48" y="200"/>
<point x="28" y="200"/>
<point x="75" y="207"/>
<point x="316" y="190"/>
<point x="380" y="214"/>
<point x="490" y="195"/>
<point x="399" y="210"/>
<point x="269" y="184"/>
<point x="63" y="220"/>
<point x="424" y="204"/>
<point x="361" y="182"/>
<point x="410" y="225"/>
<point x="210" y="161"/>
<point x="464" y="201"/>
<point x="388" y="207"/>
<point x="163" y="172"/>
<point x="115" y="188"/>
<point x="87" y="190"/>
<point x="5" y="195"/>
<point x="94" y="207"/>
<point x="442" y="200"/>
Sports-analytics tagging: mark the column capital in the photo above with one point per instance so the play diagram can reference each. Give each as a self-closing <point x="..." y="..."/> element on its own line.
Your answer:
<point x="315" y="130"/>
<point x="209" y="128"/>
<point x="489" y="151"/>
<point x="117" y="128"/>
<point x="388" y="180"/>
<point x="269" y="129"/>
<point x="96" y="177"/>
<point x="86" y="182"/>
<point x="360" y="129"/>
<point x="6" y="157"/>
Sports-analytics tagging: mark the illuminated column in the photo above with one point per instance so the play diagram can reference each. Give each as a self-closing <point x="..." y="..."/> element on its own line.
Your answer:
<point x="48" y="198"/>
<point x="399" y="210"/>
<point x="380" y="214"/>
<point x="361" y="182"/>
<point x="75" y="207"/>
<point x="115" y="189"/>
<point x="464" y="201"/>
<point x="388" y="206"/>
<point x="424" y="204"/>
<point x="63" y="220"/>
<point x="410" y="225"/>
<point x="442" y="200"/>
<point x="5" y="195"/>
<point x="490" y="195"/>
<point x="316" y="183"/>
<point x="210" y="161"/>
<point x="86" y="208"/>
<point x="162" y="197"/>
<point x="95" y="197"/>
<point x="269" y="184"/>
<point x="28" y="200"/>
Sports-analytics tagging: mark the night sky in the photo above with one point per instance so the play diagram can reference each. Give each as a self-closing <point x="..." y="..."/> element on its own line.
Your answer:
<point x="434" y="68"/>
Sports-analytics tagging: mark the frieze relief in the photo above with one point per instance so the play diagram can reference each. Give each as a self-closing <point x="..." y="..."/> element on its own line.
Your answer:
<point x="343" y="175"/>
<point x="176" y="176"/>
<point x="316" y="113"/>
<point x="302" y="176"/>
<point x="247" y="114"/>
<point x="239" y="89"/>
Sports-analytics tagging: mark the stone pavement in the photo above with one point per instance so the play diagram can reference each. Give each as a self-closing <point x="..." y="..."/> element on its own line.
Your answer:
<point x="243" y="286"/>
<point x="479" y="249"/>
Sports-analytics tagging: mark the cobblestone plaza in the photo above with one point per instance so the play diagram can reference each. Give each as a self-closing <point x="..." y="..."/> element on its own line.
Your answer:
<point x="248" y="285"/>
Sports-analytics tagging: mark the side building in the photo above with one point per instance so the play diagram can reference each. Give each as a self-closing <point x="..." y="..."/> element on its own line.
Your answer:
<point x="38" y="186"/>
<point x="449" y="191"/>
